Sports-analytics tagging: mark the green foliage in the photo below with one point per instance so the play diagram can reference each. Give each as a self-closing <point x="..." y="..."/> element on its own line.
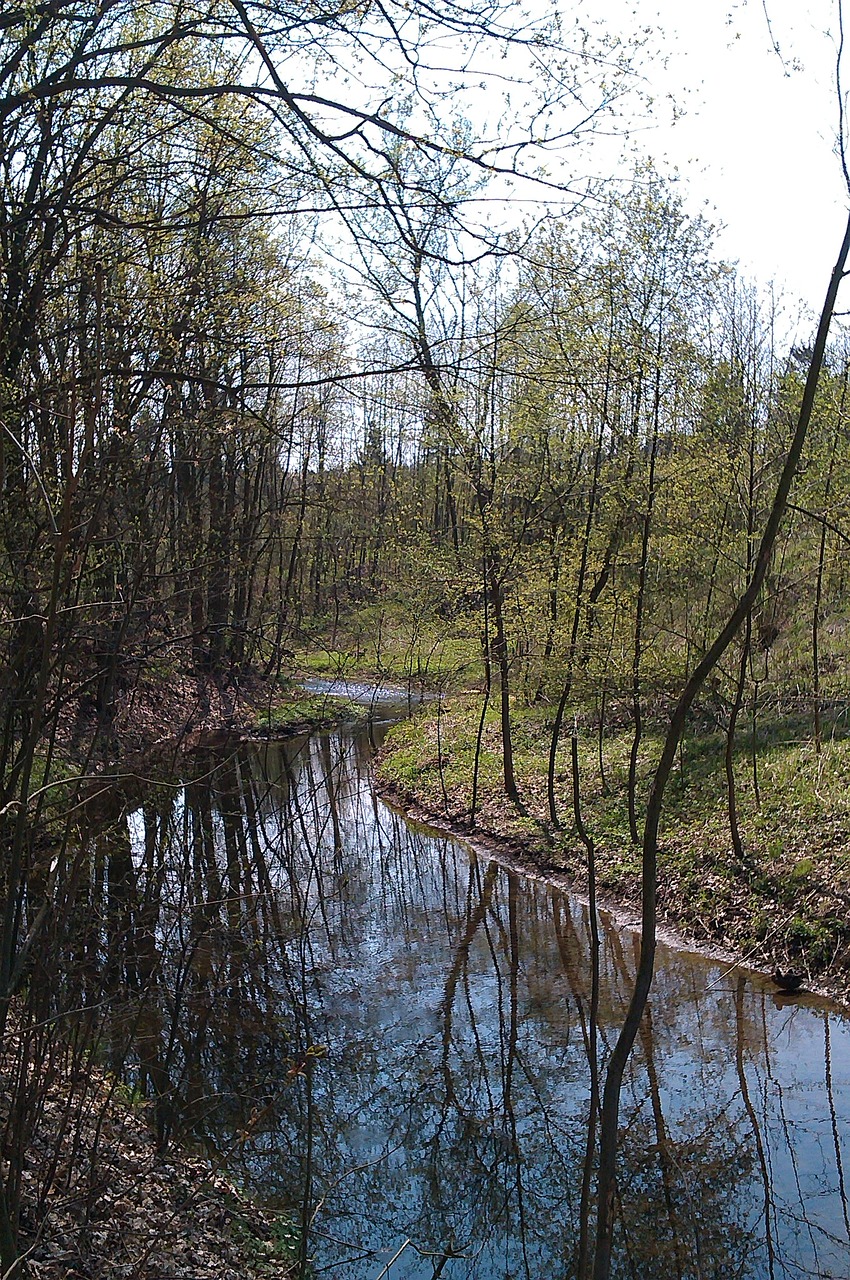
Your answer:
<point x="270" y="1248"/>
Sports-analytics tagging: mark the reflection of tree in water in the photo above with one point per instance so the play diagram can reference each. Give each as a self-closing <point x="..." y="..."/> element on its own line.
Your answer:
<point x="681" y="1214"/>
<point x="396" y="1037"/>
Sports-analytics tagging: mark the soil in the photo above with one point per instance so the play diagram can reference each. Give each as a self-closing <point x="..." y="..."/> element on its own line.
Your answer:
<point x="130" y="1212"/>
<point x="178" y="712"/>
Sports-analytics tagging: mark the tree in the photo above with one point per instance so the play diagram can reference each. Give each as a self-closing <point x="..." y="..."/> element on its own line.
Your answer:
<point x="643" y="980"/>
<point x="155" y="380"/>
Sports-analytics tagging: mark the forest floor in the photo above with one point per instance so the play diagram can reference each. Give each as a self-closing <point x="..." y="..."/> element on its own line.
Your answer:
<point x="785" y="904"/>
<point x="178" y="710"/>
<point x="112" y="1207"/>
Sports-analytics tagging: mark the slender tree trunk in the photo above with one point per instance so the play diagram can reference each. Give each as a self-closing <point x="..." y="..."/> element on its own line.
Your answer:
<point x="640" y="604"/>
<point x="816" y="608"/>
<point x="606" y="1183"/>
<point x="583" y="1265"/>
<point x="552" y="622"/>
<point x="500" y="653"/>
<point x="754" y="759"/>
<point x="566" y="690"/>
<point x="488" y="685"/>
<point x="729" y="753"/>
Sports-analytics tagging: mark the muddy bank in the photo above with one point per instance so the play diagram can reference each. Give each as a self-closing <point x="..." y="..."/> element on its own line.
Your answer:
<point x="679" y="925"/>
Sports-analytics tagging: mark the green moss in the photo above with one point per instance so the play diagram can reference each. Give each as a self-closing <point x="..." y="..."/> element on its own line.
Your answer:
<point x="306" y="711"/>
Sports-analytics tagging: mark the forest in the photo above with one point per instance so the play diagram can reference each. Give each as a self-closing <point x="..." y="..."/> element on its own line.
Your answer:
<point x="288" y="390"/>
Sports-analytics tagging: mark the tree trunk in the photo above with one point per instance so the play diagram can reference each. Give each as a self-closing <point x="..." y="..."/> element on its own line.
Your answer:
<point x="606" y="1183"/>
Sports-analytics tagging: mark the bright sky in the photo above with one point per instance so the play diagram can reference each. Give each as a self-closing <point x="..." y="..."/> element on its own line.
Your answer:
<point x="757" y="142"/>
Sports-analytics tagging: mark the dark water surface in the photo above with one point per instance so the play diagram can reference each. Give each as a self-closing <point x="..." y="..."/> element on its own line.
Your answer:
<point x="389" y="1033"/>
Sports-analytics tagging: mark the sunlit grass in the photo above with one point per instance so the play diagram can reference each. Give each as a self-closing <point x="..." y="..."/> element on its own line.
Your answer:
<point x="787" y="897"/>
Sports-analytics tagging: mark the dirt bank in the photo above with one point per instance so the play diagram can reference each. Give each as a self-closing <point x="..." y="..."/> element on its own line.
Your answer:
<point x="784" y="905"/>
<point x="97" y="1200"/>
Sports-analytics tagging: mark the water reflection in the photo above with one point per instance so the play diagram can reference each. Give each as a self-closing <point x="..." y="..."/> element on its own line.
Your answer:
<point x="393" y="1035"/>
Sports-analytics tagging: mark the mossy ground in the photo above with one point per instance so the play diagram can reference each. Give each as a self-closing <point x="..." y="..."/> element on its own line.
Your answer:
<point x="785" y="903"/>
<point x="291" y="710"/>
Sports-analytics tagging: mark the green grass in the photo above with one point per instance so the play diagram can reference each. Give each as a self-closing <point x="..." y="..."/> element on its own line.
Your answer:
<point x="378" y="645"/>
<point x="786" y="901"/>
<point x="288" y="713"/>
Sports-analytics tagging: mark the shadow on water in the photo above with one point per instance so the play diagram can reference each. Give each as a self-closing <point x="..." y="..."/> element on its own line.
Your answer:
<point x="391" y="1035"/>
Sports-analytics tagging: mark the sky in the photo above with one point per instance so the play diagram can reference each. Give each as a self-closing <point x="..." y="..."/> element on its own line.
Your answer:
<point x="756" y="143"/>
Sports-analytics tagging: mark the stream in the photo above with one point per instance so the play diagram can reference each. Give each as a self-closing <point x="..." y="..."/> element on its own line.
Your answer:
<point x="387" y="1033"/>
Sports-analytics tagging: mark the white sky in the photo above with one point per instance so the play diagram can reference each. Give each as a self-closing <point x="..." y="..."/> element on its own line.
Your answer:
<point x="757" y="142"/>
<point x="755" y="145"/>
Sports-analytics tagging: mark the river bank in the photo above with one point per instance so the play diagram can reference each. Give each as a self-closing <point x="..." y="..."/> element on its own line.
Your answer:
<point x="784" y="906"/>
<point x="99" y="1200"/>
<point x="181" y="710"/>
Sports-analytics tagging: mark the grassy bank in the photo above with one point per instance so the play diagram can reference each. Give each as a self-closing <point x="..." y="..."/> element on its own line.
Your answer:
<point x="785" y="903"/>
<point x="389" y="644"/>
<point x="287" y="708"/>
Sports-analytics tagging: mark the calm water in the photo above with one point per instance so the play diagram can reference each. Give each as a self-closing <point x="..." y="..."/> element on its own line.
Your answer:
<point x="389" y="1034"/>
